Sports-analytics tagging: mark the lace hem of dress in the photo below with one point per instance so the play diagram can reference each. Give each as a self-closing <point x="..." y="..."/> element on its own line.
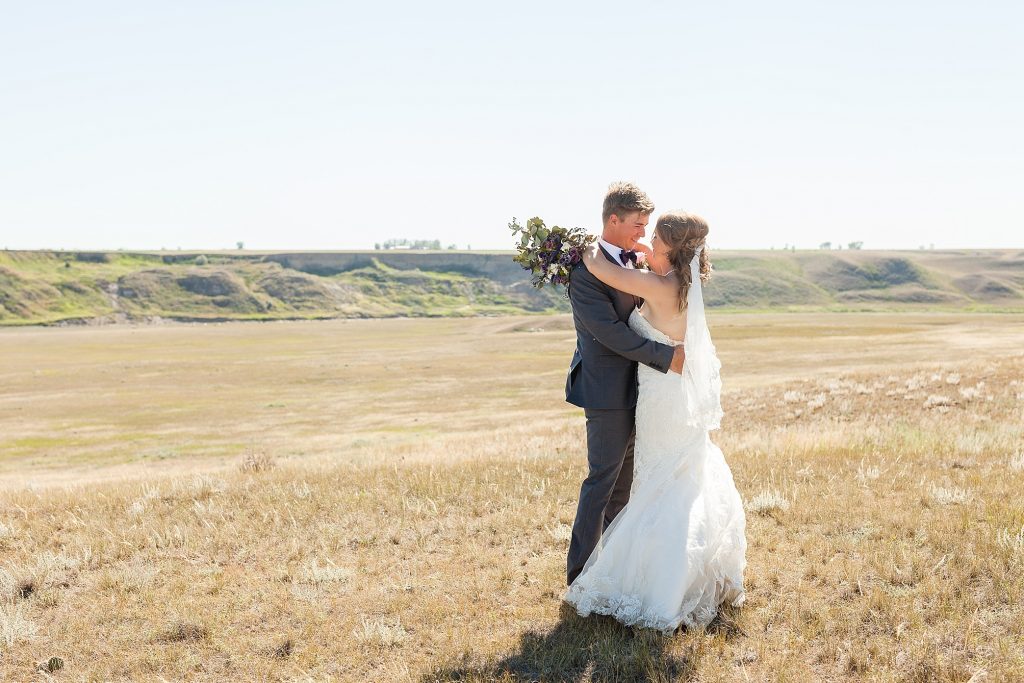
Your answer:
<point x="629" y="609"/>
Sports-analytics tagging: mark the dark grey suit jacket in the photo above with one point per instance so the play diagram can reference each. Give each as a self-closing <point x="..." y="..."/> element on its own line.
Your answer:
<point x="602" y="374"/>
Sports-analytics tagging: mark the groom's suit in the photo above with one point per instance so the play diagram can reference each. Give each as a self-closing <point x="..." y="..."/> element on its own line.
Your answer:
<point x="602" y="380"/>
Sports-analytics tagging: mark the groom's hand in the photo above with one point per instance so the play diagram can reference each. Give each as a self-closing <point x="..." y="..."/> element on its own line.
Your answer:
<point x="678" y="356"/>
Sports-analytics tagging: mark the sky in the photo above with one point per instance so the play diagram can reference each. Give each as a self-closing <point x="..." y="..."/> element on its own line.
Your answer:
<point x="335" y="125"/>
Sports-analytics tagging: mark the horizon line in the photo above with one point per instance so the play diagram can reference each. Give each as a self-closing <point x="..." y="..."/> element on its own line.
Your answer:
<point x="230" y="250"/>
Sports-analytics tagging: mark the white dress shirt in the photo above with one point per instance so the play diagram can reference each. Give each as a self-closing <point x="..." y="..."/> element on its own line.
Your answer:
<point x="615" y="253"/>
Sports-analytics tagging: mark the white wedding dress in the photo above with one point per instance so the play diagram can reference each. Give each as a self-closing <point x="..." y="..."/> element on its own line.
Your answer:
<point x="677" y="550"/>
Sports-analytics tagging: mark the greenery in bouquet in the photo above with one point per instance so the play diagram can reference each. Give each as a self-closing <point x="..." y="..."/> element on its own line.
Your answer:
<point x="549" y="253"/>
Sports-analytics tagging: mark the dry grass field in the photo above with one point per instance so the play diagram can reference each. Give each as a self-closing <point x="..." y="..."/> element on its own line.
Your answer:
<point x="391" y="500"/>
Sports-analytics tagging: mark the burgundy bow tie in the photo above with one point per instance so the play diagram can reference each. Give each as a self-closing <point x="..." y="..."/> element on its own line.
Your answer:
<point x="627" y="257"/>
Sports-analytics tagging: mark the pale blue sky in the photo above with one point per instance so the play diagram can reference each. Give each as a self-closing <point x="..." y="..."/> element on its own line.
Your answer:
<point x="332" y="125"/>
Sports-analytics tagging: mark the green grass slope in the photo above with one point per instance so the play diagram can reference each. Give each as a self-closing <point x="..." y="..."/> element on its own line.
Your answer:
<point x="46" y="287"/>
<point x="55" y="287"/>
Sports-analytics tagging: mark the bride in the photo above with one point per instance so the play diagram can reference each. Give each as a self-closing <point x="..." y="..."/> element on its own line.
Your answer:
<point x="677" y="550"/>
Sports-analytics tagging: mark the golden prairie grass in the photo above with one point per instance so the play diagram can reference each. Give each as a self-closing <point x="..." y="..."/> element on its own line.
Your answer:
<point x="884" y="516"/>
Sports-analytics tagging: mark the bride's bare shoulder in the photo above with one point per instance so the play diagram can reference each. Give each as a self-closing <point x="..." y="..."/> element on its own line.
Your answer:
<point x="668" y="292"/>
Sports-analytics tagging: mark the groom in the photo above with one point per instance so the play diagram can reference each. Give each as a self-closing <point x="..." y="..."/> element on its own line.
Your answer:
<point x="602" y="375"/>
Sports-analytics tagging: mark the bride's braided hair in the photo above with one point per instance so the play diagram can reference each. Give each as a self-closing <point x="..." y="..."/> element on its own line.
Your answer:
<point x="682" y="233"/>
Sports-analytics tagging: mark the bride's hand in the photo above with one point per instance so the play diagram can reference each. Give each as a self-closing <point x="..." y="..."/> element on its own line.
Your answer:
<point x="645" y="250"/>
<point x="590" y="254"/>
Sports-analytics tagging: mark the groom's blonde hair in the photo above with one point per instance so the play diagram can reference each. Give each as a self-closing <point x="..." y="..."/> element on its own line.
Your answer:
<point x="623" y="199"/>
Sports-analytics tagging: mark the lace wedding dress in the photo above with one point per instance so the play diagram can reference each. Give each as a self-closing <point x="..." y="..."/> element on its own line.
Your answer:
<point x="677" y="550"/>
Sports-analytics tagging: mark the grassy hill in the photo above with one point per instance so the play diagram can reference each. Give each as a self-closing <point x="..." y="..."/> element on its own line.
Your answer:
<point x="47" y="287"/>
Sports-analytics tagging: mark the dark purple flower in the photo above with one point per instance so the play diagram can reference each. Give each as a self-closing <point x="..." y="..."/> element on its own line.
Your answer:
<point x="552" y="259"/>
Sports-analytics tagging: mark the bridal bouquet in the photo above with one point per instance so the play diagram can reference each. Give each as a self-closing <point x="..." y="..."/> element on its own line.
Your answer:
<point x="549" y="253"/>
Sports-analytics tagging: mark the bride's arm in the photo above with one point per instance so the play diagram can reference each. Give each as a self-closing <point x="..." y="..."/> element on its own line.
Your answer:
<point x="643" y="283"/>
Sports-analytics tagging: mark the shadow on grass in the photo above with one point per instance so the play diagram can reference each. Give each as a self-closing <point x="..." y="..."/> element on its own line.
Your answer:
<point x="596" y="648"/>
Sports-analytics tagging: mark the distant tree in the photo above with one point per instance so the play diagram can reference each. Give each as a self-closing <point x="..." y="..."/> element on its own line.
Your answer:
<point x="469" y="247"/>
<point x="412" y="244"/>
<point x="376" y="246"/>
<point x="855" y="245"/>
<point x="201" y="260"/>
<point x="839" y="247"/>
<point x="241" y="245"/>
<point x="793" y="248"/>
<point x="825" y="245"/>
<point x="452" y="247"/>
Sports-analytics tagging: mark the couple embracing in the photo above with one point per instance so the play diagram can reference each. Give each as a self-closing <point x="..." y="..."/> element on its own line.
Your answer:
<point x="659" y="536"/>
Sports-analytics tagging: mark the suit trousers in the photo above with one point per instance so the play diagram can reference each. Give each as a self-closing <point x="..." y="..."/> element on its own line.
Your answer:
<point x="605" y="491"/>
